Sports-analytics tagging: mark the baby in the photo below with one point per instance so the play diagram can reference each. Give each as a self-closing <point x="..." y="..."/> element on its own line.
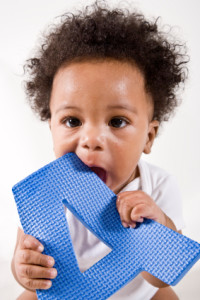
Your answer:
<point x="105" y="80"/>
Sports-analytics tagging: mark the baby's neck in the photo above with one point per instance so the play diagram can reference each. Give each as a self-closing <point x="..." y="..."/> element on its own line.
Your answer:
<point x="134" y="175"/>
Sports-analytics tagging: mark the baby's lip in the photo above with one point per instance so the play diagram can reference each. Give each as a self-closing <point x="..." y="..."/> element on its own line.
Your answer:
<point x="100" y="172"/>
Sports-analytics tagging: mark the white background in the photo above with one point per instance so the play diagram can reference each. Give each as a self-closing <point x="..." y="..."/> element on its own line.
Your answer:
<point x="26" y="142"/>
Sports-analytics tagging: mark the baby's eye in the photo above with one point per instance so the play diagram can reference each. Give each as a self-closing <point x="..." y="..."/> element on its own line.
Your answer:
<point x="72" y="122"/>
<point x="118" y="122"/>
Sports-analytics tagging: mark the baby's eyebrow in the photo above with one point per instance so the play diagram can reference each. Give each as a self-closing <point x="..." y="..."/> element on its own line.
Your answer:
<point x="64" y="107"/>
<point x="125" y="107"/>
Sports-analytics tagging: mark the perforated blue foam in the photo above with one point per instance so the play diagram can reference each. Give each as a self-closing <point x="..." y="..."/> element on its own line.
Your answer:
<point x="151" y="247"/>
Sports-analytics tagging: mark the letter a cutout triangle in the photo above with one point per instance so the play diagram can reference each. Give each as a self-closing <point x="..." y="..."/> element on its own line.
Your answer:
<point x="83" y="238"/>
<point x="152" y="247"/>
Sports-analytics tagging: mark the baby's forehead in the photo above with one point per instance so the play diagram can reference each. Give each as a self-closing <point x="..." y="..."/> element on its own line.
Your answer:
<point x="101" y="71"/>
<point x="111" y="84"/>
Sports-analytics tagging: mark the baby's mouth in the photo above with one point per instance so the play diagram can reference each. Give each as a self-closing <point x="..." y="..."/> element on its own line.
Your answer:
<point x="101" y="173"/>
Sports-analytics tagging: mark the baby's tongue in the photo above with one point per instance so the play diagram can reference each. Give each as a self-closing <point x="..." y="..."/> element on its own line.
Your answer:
<point x="100" y="172"/>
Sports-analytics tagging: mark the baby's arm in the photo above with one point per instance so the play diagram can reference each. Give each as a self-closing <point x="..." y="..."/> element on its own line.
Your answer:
<point x="29" y="265"/>
<point x="134" y="206"/>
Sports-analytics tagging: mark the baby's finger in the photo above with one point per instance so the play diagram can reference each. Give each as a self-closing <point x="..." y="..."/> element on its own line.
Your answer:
<point x="35" y="272"/>
<point x="125" y="215"/>
<point x="140" y="212"/>
<point x="40" y="284"/>
<point x="32" y="257"/>
<point x="122" y="201"/>
<point x="130" y="199"/>
<point x="29" y="242"/>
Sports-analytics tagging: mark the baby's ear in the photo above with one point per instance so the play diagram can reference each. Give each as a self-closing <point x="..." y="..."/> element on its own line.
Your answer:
<point x="152" y="133"/>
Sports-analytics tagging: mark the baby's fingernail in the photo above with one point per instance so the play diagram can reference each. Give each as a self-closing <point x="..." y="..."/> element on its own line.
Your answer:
<point x="48" y="284"/>
<point x="125" y="224"/>
<point x="132" y="225"/>
<point x="54" y="273"/>
<point x="140" y="220"/>
<point x="50" y="261"/>
<point x="40" y="248"/>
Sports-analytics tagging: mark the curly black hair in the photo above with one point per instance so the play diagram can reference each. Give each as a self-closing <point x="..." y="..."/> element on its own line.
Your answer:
<point x="99" y="32"/>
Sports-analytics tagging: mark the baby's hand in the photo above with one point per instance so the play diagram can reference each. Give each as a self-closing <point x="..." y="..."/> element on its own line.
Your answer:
<point x="32" y="268"/>
<point x="134" y="206"/>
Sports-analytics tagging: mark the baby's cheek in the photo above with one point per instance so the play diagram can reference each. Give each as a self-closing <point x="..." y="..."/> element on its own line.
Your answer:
<point x="61" y="149"/>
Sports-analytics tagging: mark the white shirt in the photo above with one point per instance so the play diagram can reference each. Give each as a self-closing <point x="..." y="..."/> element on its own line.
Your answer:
<point x="163" y="189"/>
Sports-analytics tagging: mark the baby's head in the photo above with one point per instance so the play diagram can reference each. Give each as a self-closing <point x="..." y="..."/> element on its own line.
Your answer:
<point x="105" y="79"/>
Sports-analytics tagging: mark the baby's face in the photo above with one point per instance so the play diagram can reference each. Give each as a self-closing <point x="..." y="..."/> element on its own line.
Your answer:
<point x="101" y="112"/>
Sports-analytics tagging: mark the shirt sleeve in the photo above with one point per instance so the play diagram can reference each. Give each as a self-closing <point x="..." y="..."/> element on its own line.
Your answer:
<point x="168" y="197"/>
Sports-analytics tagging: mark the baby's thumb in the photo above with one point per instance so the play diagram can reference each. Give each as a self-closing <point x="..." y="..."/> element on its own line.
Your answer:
<point x="29" y="242"/>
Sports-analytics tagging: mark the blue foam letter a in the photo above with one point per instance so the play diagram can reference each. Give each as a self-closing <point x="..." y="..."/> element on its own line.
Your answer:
<point x="150" y="247"/>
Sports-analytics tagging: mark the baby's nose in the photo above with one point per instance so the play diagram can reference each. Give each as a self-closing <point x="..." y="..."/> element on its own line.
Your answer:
<point x="92" y="139"/>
